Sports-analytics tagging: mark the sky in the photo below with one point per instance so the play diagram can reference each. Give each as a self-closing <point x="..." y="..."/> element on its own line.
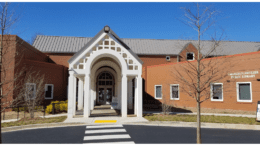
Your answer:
<point x="146" y="20"/>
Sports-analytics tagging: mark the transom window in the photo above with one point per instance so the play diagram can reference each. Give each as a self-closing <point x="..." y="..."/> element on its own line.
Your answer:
<point x="217" y="92"/>
<point x="190" y="56"/>
<point x="158" y="91"/>
<point x="105" y="78"/>
<point x="244" y="92"/>
<point x="174" y="92"/>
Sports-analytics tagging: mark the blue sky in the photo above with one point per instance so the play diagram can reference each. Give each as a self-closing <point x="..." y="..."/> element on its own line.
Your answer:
<point x="241" y="21"/>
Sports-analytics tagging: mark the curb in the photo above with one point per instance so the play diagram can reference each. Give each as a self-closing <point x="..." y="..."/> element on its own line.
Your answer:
<point x="152" y="123"/>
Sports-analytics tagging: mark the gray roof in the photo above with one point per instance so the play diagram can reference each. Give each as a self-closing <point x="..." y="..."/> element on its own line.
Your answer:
<point x="63" y="44"/>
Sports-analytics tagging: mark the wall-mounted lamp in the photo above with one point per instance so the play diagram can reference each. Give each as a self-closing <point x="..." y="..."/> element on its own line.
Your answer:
<point x="106" y="28"/>
<point x="258" y="79"/>
<point x="228" y="80"/>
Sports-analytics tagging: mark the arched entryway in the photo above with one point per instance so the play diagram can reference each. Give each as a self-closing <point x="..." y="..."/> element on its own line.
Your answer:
<point x="106" y="68"/>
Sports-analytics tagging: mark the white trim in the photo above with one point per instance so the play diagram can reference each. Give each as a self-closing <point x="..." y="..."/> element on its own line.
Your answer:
<point x="155" y="92"/>
<point x="238" y="100"/>
<point x="193" y="56"/>
<point x="34" y="89"/>
<point x="52" y="86"/>
<point x="171" y="91"/>
<point x="211" y="92"/>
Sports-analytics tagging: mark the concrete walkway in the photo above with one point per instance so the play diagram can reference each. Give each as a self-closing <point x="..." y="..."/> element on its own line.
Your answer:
<point x="206" y="114"/>
<point x="49" y="116"/>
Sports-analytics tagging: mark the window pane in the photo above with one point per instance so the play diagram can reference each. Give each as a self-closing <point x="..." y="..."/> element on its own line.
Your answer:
<point x="244" y="92"/>
<point x="49" y="91"/>
<point x="217" y="91"/>
<point x="175" y="91"/>
<point x="189" y="56"/>
<point x="158" y="91"/>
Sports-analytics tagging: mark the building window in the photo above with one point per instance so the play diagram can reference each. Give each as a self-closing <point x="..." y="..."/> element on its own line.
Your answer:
<point x="217" y="92"/>
<point x="158" y="91"/>
<point x="244" y="92"/>
<point x="174" y="89"/>
<point x="49" y="91"/>
<point x="30" y="90"/>
<point x="190" y="56"/>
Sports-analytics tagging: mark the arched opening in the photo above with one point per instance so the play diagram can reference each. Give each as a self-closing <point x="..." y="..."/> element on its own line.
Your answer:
<point x="105" y="88"/>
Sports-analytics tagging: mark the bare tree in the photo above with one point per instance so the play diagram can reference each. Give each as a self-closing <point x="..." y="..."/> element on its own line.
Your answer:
<point x="7" y="19"/>
<point x="196" y="77"/>
<point x="31" y="90"/>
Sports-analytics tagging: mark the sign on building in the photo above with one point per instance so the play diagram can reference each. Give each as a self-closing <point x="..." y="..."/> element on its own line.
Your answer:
<point x="258" y="111"/>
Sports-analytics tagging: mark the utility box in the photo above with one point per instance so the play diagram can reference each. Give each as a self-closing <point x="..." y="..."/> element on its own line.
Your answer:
<point x="258" y="112"/>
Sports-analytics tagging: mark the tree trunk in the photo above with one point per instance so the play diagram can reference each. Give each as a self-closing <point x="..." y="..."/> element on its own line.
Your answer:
<point x="198" y="124"/>
<point x="31" y="112"/>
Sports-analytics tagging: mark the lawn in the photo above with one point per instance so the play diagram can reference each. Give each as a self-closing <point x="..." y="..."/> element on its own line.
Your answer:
<point x="206" y="119"/>
<point x="38" y="120"/>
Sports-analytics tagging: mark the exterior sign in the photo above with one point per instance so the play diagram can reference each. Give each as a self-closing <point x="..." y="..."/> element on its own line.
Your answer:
<point x="258" y="112"/>
<point x="248" y="74"/>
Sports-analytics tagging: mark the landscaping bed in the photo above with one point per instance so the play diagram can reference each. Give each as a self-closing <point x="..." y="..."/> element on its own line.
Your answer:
<point x="206" y="119"/>
<point x="38" y="120"/>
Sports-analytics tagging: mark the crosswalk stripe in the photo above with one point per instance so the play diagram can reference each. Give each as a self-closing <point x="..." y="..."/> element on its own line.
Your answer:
<point x="103" y="126"/>
<point x="106" y="137"/>
<point x="105" y="131"/>
<point x="120" y="142"/>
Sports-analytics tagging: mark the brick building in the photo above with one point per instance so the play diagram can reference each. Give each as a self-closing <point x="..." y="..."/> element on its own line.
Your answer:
<point x="138" y="73"/>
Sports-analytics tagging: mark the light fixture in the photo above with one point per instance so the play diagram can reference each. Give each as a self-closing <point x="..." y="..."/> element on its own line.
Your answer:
<point x="258" y="79"/>
<point x="228" y="80"/>
<point x="106" y="28"/>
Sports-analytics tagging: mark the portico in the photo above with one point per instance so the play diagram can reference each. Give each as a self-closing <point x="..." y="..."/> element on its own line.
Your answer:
<point x="108" y="72"/>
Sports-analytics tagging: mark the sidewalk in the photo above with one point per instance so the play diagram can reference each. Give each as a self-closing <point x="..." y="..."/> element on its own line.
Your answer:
<point x="204" y="114"/>
<point x="49" y="116"/>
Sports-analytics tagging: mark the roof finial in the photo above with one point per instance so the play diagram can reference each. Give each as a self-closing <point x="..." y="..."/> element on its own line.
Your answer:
<point x="106" y="28"/>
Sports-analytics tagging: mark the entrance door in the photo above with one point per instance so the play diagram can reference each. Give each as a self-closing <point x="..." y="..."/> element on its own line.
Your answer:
<point x="105" y="86"/>
<point x="105" y="95"/>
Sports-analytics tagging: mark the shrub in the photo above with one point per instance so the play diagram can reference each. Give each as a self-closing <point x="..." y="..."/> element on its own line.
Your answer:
<point x="60" y="106"/>
<point x="37" y="108"/>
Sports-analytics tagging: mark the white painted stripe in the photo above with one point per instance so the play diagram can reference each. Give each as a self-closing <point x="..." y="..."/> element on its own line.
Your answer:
<point x="106" y="137"/>
<point x="120" y="142"/>
<point x="105" y="131"/>
<point x="103" y="126"/>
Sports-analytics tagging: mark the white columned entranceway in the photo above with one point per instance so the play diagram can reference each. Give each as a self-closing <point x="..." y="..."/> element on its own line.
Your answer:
<point x="105" y="53"/>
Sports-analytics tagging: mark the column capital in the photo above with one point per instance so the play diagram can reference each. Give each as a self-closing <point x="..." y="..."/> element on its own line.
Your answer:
<point x="71" y="72"/>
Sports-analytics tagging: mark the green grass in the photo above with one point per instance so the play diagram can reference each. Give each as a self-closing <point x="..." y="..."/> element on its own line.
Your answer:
<point x="37" y="120"/>
<point x="207" y="119"/>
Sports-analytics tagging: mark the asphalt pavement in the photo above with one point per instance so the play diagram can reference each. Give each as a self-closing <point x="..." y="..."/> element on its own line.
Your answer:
<point x="139" y="134"/>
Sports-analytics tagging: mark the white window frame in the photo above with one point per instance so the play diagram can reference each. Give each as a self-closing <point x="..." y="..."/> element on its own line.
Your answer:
<point x="34" y="90"/>
<point x="211" y="92"/>
<point x="171" y="91"/>
<point x="155" y="92"/>
<point x="187" y="56"/>
<point x="46" y="85"/>
<point x="251" y="96"/>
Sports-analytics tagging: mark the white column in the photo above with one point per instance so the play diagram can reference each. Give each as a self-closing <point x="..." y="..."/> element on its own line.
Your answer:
<point x="119" y="94"/>
<point x="140" y="96"/>
<point x="92" y="95"/>
<point x="74" y="95"/>
<point x="87" y="96"/>
<point x="130" y="94"/>
<point x="136" y="96"/>
<point x="124" y="96"/>
<point x="70" y="94"/>
<point x="80" y="94"/>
